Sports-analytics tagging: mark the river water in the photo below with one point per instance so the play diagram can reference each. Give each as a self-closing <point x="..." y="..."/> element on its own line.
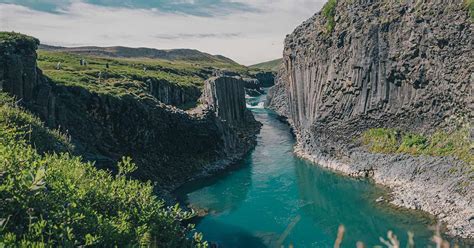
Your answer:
<point x="274" y="198"/>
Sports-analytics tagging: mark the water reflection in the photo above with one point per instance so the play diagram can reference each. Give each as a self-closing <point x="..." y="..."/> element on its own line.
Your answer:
<point x="219" y="194"/>
<point x="230" y="236"/>
<point x="332" y="200"/>
<point x="276" y="198"/>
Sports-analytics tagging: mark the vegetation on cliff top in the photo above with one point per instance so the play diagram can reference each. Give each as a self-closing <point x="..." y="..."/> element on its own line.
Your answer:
<point x="125" y="75"/>
<point x="49" y="199"/>
<point x="329" y="11"/>
<point x="389" y="140"/>
<point x="95" y="73"/>
<point x="14" y="40"/>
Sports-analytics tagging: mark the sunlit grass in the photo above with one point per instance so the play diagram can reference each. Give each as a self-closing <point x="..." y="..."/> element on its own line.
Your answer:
<point x="386" y="140"/>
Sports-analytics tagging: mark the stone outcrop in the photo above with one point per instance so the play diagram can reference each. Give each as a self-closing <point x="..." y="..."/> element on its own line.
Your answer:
<point x="266" y="78"/>
<point x="225" y="98"/>
<point x="18" y="73"/>
<point x="253" y="87"/>
<point x="277" y="98"/>
<point x="170" y="146"/>
<point x="172" y="94"/>
<point x="402" y="64"/>
<point x="254" y="81"/>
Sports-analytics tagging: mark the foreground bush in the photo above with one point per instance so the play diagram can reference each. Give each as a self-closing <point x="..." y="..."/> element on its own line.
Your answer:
<point x="57" y="200"/>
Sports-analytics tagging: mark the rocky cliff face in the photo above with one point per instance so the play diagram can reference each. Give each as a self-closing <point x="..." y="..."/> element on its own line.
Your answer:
<point x="277" y="97"/>
<point x="367" y="64"/>
<point x="18" y="73"/>
<point x="171" y="94"/>
<point x="169" y="145"/>
<point x="410" y="64"/>
<point x="266" y="79"/>
<point x="225" y="98"/>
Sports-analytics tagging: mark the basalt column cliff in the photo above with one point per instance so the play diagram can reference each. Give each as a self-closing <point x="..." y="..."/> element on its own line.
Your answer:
<point x="169" y="145"/>
<point x="402" y="66"/>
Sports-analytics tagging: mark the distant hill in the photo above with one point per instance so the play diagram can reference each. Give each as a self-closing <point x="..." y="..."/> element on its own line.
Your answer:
<point x="151" y="53"/>
<point x="272" y="65"/>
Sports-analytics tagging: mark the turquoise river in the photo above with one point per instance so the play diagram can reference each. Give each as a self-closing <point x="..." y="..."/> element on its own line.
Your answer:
<point x="275" y="199"/>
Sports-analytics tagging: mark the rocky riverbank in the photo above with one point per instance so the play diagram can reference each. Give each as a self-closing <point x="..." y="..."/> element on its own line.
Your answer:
<point x="439" y="186"/>
<point x="360" y="65"/>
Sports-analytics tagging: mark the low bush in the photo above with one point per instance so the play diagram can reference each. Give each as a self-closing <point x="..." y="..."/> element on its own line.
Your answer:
<point x="51" y="199"/>
<point x="381" y="140"/>
<point x="329" y="11"/>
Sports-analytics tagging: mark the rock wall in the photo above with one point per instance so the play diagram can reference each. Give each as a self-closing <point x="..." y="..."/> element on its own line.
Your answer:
<point x="171" y="94"/>
<point x="169" y="145"/>
<point x="402" y="64"/>
<point x="277" y="97"/>
<point x="18" y="73"/>
<point x="408" y="63"/>
<point x="226" y="97"/>
<point x="266" y="79"/>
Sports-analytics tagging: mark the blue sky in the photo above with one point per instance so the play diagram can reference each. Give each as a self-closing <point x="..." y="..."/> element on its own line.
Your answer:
<point x="248" y="31"/>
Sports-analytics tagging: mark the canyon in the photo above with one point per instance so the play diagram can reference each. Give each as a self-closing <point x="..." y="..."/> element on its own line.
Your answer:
<point x="359" y="65"/>
<point x="371" y="107"/>
<point x="170" y="145"/>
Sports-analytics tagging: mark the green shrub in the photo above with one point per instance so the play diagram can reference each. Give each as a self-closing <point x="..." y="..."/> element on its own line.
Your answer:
<point x="51" y="200"/>
<point x="381" y="140"/>
<point x="26" y="126"/>
<point x="329" y="11"/>
<point x="413" y="143"/>
<point x="457" y="144"/>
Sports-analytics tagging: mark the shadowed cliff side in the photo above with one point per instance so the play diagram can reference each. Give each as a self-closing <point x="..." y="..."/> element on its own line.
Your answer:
<point x="401" y="65"/>
<point x="169" y="145"/>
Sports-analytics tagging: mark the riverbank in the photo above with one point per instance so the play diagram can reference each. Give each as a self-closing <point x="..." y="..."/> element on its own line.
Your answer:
<point x="253" y="204"/>
<point x="437" y="185"/>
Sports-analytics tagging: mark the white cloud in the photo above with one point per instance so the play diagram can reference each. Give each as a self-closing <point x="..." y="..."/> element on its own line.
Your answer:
<point x="247" y="37"/>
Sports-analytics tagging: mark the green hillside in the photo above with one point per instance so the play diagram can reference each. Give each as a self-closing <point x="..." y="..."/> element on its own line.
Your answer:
<point x="272" y="65"/>
<point x="96" y="77"/>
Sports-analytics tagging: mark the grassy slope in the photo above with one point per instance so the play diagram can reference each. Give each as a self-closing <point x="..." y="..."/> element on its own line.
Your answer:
<point x="182" y="73"/>
<point x="48" y="199"/>
<point x="272" y="65"/>
<point x="385" y="140"/>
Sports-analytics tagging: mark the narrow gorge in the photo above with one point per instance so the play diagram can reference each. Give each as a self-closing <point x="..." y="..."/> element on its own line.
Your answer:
<point x="361" y="76"/>
<point x="169" y="145"/>
<point x="360" y="134"/>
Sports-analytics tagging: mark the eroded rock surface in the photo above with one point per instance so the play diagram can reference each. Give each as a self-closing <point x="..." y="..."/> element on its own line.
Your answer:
<point x="401" y="64"/>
